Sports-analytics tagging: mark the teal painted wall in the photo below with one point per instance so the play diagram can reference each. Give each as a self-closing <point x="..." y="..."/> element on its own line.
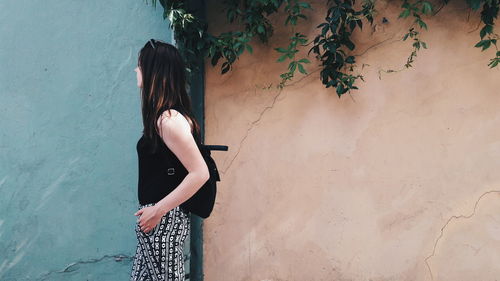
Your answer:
<point x="70" y="119"/>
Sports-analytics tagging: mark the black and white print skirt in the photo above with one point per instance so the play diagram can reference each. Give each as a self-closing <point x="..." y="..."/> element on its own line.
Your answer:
<point x="160" y="253"/>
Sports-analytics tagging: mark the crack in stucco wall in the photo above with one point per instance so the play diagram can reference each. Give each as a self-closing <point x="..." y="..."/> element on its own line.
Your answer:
<point x="73" y="266"/>
<point x="252" y="125"/>
<point x="448" y="221"/>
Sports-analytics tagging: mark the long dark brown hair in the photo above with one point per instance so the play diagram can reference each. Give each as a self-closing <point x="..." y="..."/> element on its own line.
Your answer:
<point x="163" y="87"/>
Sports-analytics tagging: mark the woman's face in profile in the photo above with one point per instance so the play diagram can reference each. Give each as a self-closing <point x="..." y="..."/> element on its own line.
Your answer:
<point x="139" y="76"/>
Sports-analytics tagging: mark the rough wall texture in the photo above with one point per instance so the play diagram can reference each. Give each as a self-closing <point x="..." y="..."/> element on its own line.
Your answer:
<point x="70" y="115"/>
<point x="399" y="181"/>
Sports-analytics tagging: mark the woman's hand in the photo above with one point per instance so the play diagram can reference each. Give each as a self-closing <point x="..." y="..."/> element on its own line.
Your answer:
<point x="149" y="218"/>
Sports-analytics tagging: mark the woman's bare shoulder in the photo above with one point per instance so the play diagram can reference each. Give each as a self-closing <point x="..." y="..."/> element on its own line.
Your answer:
<point x="170" y="113"/>
<point x="173" y="115"/>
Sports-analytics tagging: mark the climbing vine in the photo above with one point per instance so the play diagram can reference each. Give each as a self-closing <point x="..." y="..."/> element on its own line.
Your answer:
<point x="332" y="45"/>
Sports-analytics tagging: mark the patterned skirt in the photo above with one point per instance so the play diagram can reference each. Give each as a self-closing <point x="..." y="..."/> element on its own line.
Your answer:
<point x="160" y="253"/>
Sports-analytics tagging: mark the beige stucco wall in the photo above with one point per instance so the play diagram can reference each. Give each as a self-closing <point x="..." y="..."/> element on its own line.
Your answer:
<point x="399" y="180"/>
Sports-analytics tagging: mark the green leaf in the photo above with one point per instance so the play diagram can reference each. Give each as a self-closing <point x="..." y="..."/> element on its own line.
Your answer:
<point x="404" y="14"/>
<point x="281" y="50"/>
<point x="349" y="59"/>
<point x="336" y="14"/>
<point x="486" y="45"/>
<point x="426" y="7"/>
<point x="422" y="23"/>
<point x="216" y="58"/>
<point x="301" y="69"/>
<point x="340" y="89"/>
<point x="480" y="43"/>
<point x="240" y="51"/>
<point x="304" y="5"/>
<point x="474" y="4"/>
<point x="349" y="44"/>
<point x="360" y="24"/>
<point x="324" y="30"/>
<point x="249" y="48"/>
<point x="487" y="29"/>
<point x="304" y="61"/>
<point x="225" y="68"/>
<point x="282" y="58"/>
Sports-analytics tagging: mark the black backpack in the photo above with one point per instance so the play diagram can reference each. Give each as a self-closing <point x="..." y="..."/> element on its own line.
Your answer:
<point x="202" y="202"/>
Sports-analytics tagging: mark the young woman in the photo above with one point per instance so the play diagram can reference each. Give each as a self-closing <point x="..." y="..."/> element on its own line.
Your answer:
<point x="169" y="130"/>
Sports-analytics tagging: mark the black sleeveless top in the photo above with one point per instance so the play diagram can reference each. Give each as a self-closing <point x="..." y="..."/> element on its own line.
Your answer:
<point x="156" y="176"/>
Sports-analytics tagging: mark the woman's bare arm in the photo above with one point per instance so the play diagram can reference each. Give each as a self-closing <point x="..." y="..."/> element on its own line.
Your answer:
<point x="175" y="131"/>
